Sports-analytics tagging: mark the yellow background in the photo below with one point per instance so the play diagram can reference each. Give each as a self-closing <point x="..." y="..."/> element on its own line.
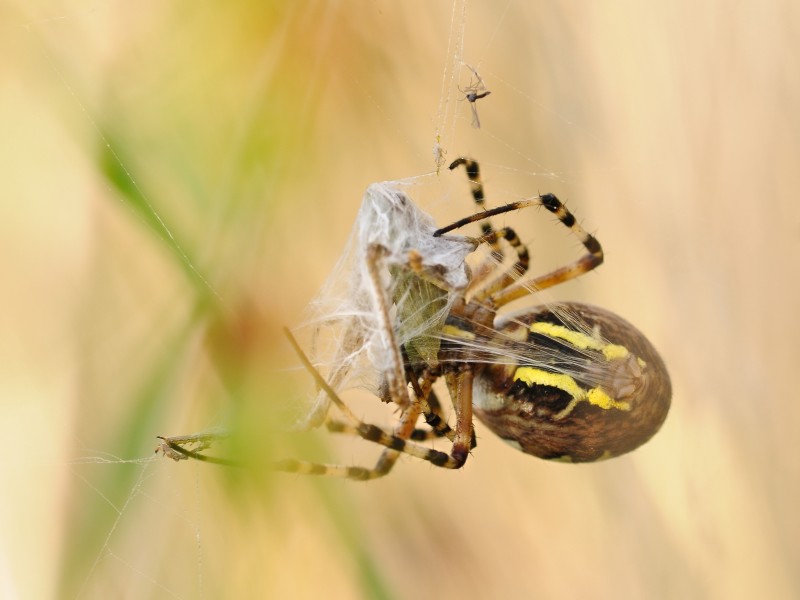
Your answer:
<point x="673" y="131"/>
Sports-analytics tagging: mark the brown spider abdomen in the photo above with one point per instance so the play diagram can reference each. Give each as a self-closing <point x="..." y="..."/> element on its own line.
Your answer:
<point x="596" y="393"/>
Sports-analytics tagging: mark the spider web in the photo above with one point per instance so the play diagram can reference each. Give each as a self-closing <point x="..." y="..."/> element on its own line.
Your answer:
<point x="135" y="523"/>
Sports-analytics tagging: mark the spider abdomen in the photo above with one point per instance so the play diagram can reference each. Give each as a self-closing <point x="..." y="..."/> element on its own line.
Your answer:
<point x="593" y="388"/>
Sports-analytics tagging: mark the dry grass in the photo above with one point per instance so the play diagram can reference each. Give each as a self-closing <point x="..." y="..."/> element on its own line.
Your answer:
<point x="252" y="132"/>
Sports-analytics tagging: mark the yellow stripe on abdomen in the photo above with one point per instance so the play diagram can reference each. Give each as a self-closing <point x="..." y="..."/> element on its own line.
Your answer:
<point x="594" y="396"/>
<point x="580" y="340"/>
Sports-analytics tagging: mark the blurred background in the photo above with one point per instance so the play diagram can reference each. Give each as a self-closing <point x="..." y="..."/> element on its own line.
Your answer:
<point x="177" y="182"/>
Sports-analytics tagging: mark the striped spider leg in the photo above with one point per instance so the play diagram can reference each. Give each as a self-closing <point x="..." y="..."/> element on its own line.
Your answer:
<point x="395" y="442"/>
<point x="508" y="287"/>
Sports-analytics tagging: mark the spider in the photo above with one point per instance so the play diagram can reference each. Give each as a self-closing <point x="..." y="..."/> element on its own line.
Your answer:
<point x="561" y="381"/>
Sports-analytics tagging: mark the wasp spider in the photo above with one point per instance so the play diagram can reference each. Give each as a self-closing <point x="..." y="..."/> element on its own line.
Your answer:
<point x="561" y="381"/>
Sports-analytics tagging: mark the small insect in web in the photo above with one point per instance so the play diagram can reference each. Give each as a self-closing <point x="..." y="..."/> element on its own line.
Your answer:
<point x="561" y="381"/>
<point x="475" y="90"/>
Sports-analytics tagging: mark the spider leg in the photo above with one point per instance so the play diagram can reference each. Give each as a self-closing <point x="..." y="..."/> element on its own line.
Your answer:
<point x="426" y="400"/>
<point x="434" y="417"/>
<point x="512" y="273"/>
<point x="395" y="377"/>
<point x="174" y="447"/>
<point x="373" y="433"/>
<point x="431" y="410"/>
<point x="489" y="236"/>
<point x="476" y="187"/>
<point x="591" y="260"/>
<point x="513" y="290"/>
<point x="460" y="386"/>
<point x="382" y="467"/>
